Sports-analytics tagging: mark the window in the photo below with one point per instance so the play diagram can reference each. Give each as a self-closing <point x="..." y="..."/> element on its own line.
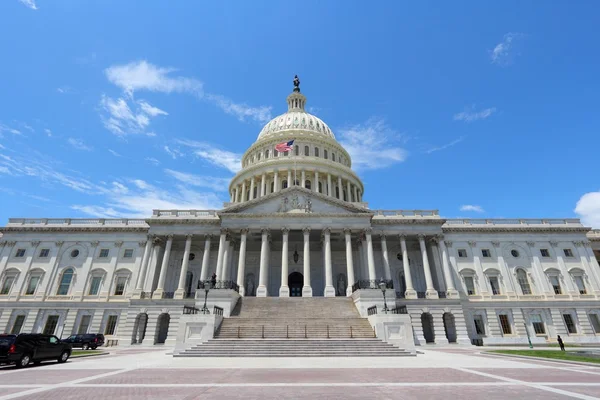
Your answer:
<point x="333" y="157"/>
<point x="555" y="284"/>
<point x="286" y="153"/>
<point x="284" y="184"/>
<point x="34" y="280"/>
<point x="111" y="324"/>
<point x="571" y="328"/>
<point x="316" y="152"/>
<point x="95" y="285"/>
<point x="84" y="324"/>
<point x="75" y="253"/>
<point x="495" y="285"/>
<point x="306" y="150"/>
<point x="50" y="326"/>
<point x="296" y="150"/>
<point x="307" y="184"/>
<point x="568" y="252"/>
<point x="462" y="253"/>
<point x="545" y="252"/>
<point x="514" y="253"/>
<point x="128" y="253"/>
<point x="538" y="324"/>
<point x="255" y="194"/>
<point x="470" y="284"/>
<point x="18" y="325"/>
<point x="7" y="284"/>
<point x="325" y="154"/>
<point x="479" y="325"/>
<point x="595" y="322"/>
<point x="505" y="324"/>
<point x="192" y="256"/>
<point x="120" y="287"/>
<point x="523" y="282"/>
<point x="580" y="284"/>
<point x="44" y="253"/>
<point x="258" y="156"/>
<point x="103" y="253"/>
<point x="65" y="282"/>
<point x="275" y="153"/>
<point x="486" y="253"/>
<point x="20" y="253"/>
<point x="266" y="153"/>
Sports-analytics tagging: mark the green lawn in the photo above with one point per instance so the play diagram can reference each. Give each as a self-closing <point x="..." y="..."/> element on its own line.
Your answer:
<point x="80" y="353"/>
<point x="552" y="354"/>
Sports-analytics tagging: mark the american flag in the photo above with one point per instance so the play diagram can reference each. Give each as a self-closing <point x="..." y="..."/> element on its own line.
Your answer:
<point x="285" y="146"/>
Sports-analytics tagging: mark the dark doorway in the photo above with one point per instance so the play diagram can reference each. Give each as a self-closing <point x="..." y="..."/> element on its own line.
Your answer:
<point x="295" y="282"/>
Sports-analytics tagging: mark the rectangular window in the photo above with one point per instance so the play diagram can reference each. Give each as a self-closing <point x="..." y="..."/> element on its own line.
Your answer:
<point x="571" y="328"/>
<point x="18" y="325"/>
<point x="51" y="323"/>
<point x="20" y="253"/>
<point x="120" y="287"/>
<point x="580" y="284"/>
<point x="544" y="252"/>
<point x="34" y="280"/>
<point x="538" y="324"/>
<point x="555" y="284"/>
<point x="505" y="324"/>
<point x="479" y="326"/>
<point x="568" y="252"/>
<point x="470" y="285"/>
<point x="128" y="253"/>
<point x="44" y="253"/>
<point x="7" y="284"/>
<point x="84" y="324"/>
<point x="495" y="285"/>
<point x="111" y="324"/>
<point x="95" y="285"/>
<point x="486" y="253"/>
<point x="103" y="253"/>
<point x="595" y="321"/>
<point x="462" y="253"/>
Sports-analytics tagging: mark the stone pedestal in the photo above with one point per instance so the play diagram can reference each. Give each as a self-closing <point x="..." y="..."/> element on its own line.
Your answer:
<point x="195" y="329"/>
<point x="307" y="291"/>
<point x="284" y="291"/>
<point x="395" y="329"/>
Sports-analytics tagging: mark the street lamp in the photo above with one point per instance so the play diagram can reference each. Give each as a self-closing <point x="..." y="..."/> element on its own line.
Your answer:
<point x="383" y="287"/>
<point x="206" y="289"/>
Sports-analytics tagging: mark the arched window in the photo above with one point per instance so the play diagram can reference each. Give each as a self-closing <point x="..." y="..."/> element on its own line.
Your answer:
<point x="345" y="195"/>
<point x="65" y="282"/>
<point x="296" y="182"/>
<point x="320" y="187"/>
<point x="316" y="152"/>
<point x="325" y="154"/>
<point x="306" y="150"/>
<point x="255" y="192"/>
<point x="272" y="187"/>
<point x="248" y="195"/>
<point x="333" y="157"/>
<point x="296" y="150"/>
<point x="307" y="184"/>
<point x="275" y="153"/>
<point x="337" y="192"/>
<point x="258" y="156"/>
<point x="266" y="153"/>
<point x="523" y="281"/>
<point x="284" y="184"/>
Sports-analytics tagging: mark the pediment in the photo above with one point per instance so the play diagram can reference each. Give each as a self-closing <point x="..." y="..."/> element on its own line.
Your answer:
<point x="295" y="200"/>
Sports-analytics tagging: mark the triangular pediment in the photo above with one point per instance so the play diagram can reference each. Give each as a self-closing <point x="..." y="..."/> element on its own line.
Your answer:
<point x="295" y="200"/>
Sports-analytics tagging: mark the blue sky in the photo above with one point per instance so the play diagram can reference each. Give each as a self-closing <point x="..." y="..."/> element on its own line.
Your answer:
<point x="481" y="110"/>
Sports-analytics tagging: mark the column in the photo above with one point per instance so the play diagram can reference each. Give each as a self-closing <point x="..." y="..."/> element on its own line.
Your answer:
<point x="289" y="178"/>
<point x="349" y="191"/>
<point x="180" y="293"/>
<point x="284" y="290"/>
<point x="431" y="293"/>
<point x="386" y="260"/>
<point x="152" y="266"/>
<point x="242" y="262"/>
<point x="329" y="188"/>
<point x="163" y="269"/>
<point x="340" y="189"/>
<point x="594" y="267"/>
<point x="226" y="259"/>
<point x="307" y="288"/>
<point x="506" y="280"/>
<point x="329" y="289"/>
<point x="205" y="258"/>
<point x="355" y="194"/>
<point x="243" y="196"/>
<point x="145" y="259"/>
<point x="231" y="198"/>
<point x="364" y="259"/>
<point x="410" y="290"/>
<point x="235" y="195"/>
<point x="316" y="183"/>
<point x="219" y="270"/>
<point x="276" y="182"/>
<point x="451" y="291"/>
<point x="261" y="291"/>
<point x="303" y="183"/>
<point x="349" y="264"/>
<point x="263" y="184"/>
<point x="251" y="197"/>
<point x="370" y="258"/>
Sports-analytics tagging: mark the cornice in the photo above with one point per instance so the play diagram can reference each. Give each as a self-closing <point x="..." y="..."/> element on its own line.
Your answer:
<point x="407" y="221"/>
<point x="516" y="229"/>
<point x="182" y="221"/>
<point x="298" y="215"/>
<point x="56" y="229"/>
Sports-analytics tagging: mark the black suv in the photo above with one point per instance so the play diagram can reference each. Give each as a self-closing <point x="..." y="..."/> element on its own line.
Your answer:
<point x="86" y="340"/>
<point x="27" y="347"/>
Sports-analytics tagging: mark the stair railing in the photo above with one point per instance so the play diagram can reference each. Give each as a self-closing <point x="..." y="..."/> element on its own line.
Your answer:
<point x="350" y="331"/>
<point x="328" y="332"/>
<point x="238" y="332"/>
<point x="305" y="337"/>
<point x="263" y="332"/>
<point x="287" y="331"/>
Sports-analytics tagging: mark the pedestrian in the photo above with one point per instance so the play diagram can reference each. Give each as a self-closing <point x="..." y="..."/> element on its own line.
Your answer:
<point x="213" y="280"/>
<point x="560" y="343"/>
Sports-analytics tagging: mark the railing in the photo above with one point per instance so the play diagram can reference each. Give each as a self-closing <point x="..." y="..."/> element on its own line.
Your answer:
<point x="372" y="310"/>
<point x="298" y="332"/>
<point x="400" y="295"/>
<point x="442" y="295"/>
<point x="521" y="222"/>
<point x="168" y="295"/>
<point x="184" y="213"/>
<point x="190" y="310"/>
<point x="372" y="284"/>
<point x="406" y="213"/>
<point x="77" y="221"/>
<point x="421" y="295"/>
<point x="146" y="295"/>
<point x="399" y="310"/>
<point x="218" y="310"/>
<point x="220" y="285"/>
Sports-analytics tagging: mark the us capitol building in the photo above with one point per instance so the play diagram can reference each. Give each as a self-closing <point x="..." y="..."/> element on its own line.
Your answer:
<point x="297" y="225"/>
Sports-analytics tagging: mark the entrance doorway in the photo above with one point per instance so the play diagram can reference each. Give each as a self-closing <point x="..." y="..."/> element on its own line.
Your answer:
<point x="295" y="282"/>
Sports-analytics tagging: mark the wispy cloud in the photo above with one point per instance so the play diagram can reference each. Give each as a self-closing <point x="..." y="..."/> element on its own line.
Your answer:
<point x="114" y="153"/>
<point x="174" y="152"/>
<point x="218" y="184"/>
<point x="588" y="209"/>
<point x="122" y="120"/>
<point x="505" y="52"/>
<point x="470" y="114"/>
<point x="29" y="3"/>
<point x="79" y="144"/>
<point x="152" y="160"/>
<point x="372" y="145"/>
<point x="241" y="111"/>
<point x="473" y="208"/>
<point x="452" y="143"/>
<point x="48" y="132"/>
<point x="213" y="155"/>
<point x="8" y="129"/>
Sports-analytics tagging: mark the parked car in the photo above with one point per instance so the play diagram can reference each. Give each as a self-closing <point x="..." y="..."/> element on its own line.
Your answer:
<point x="32" y="347"/>
<point x="86" y="340"/>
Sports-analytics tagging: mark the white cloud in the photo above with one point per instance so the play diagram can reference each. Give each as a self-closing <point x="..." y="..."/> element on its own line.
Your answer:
<point x="470" y="115"/>
<point x="114" y="153"/>
<point x="371" y="145"/>
<point x="241" y="111"/>
<point x="218" y="184"/>
<point x="120" y="119"/>
<point x="152" y="160"/>
<point x="173" y="152"/>
<point x="79" y="144"/>
<point x="215" y="156"/>
<point x="8" y="129"/>
<point x="504" y="52"/>
<point x="588" y="209"/>
<point x="443" y="147"/>
<point x="29" y="3"/>
<point x="48" y="132"/>
<point x="151" y="110"/>
<point x="470" y="207"/>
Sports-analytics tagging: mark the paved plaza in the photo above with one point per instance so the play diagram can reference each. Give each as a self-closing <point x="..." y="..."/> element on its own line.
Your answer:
<point x="440" y="372"/>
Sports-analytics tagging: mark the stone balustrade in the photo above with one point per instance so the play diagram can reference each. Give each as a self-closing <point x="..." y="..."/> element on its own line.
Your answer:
<point x="77" y="222"/>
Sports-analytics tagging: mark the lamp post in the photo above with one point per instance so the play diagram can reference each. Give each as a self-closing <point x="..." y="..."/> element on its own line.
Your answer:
<point x="382" y="286"/>
<point x="205" y="309"/>
<point x="528" y="337"/>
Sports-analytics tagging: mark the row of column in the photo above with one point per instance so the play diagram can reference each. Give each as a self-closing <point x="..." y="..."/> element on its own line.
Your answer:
<point x="244" y="192"/>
